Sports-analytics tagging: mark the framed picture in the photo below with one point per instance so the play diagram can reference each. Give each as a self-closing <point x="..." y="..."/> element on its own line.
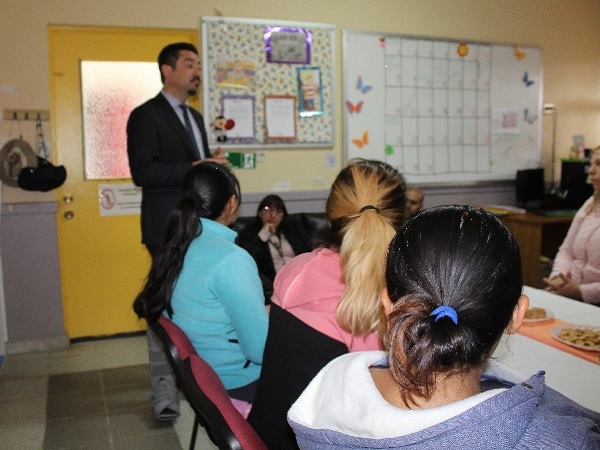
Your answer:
<point x="239" y="111"/>
<point x="309" y="91"/>
<point x="287" y="45"/>
<point x="280" y="117"/>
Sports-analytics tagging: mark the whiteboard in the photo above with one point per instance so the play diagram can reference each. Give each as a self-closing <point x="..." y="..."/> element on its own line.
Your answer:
<point x="442" y="111"/>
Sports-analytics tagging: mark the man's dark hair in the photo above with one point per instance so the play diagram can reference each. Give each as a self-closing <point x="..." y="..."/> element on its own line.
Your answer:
<point x="170" y="54"/>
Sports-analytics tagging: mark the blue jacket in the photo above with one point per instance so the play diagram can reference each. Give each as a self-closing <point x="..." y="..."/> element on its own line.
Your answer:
<point x="342" y="409"/>
<point x="218" y="302"/>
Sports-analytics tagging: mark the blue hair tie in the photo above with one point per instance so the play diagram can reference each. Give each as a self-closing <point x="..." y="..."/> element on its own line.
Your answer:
<point x="445" y="311"/>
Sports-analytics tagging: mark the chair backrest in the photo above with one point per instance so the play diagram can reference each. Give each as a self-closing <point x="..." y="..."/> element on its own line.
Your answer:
<point x="179" y="338"/>
<point x="294" y="354"/>
<point x="208" y="397"/>
<point x="175" y="342"/>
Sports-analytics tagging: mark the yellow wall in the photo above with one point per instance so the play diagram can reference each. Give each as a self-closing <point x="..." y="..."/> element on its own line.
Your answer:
<point x="567" y="30"/>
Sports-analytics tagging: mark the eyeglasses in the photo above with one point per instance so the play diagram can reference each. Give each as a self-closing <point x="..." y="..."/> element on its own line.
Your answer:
<point x="272" y="210"/>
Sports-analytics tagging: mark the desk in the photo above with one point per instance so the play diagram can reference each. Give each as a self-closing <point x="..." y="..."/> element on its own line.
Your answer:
<point x="570" y="375"/>
<point x="537" y="235"/>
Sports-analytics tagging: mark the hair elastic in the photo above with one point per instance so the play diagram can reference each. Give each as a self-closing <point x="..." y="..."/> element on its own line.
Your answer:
<point x="364" y="208"/>
<point x="195" y="198"/>
<point x="445" y="311"/>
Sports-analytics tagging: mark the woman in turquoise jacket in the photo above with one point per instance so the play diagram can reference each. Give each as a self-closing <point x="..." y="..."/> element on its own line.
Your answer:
<point x="208" y="285"/>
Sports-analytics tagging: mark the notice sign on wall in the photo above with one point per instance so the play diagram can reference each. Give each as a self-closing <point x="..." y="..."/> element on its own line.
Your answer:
<point x="120" y="199"/>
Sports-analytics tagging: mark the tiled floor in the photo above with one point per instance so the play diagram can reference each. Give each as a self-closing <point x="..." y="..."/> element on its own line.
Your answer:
<point x="91" y="396"/>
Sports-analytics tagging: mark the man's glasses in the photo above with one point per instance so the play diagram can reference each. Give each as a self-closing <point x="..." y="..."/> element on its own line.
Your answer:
<point x="272" y="210"/>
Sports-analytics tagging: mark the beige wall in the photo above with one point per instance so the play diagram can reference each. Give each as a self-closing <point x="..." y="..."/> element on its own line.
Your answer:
<point x="567" y="30"/>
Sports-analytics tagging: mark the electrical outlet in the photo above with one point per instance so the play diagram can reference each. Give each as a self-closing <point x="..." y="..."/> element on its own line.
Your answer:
<point x="317" y="182"/>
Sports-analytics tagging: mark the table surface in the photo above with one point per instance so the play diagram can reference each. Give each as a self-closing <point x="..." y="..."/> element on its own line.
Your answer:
<point x="572" y="376"/>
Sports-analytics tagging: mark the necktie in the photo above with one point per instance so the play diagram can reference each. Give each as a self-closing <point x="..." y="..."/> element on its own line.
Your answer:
<point x="188" y="127"/>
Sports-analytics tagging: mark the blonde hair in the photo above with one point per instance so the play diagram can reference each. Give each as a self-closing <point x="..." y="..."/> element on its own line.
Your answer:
<point x="596" y="194"/>
<point x="365" y="208"/>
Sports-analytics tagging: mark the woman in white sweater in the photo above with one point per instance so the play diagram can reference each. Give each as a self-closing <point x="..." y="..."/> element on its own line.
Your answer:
<point x="576" y="269"/>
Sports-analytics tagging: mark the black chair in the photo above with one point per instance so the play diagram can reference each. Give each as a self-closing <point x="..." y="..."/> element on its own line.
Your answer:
<point x="294" y="354"/>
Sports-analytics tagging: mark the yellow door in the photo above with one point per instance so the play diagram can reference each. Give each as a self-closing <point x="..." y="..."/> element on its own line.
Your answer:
<point x="102" y="262"/>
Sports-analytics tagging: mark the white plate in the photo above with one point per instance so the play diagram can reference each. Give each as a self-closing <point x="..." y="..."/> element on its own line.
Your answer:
<point x="549" y="315"/>
<point x="555" y="331"/>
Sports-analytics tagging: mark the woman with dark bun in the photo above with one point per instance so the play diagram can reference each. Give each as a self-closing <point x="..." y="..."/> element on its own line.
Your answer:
<point x="454" y="286"/>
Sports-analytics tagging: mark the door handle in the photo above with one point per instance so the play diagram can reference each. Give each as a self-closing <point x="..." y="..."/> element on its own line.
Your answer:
<point x="69" y="215"/>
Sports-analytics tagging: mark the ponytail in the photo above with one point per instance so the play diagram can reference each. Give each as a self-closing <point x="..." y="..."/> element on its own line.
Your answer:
<point x="206" y="189"/>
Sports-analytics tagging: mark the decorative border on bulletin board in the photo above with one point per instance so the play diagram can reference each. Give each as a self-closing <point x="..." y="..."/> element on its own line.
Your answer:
<point x="235" y="63"/>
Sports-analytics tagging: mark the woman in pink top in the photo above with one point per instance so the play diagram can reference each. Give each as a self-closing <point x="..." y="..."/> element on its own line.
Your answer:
<point x="326" y="303"/>
<point x="335" y="289"/>
<point x="576" y="270"/>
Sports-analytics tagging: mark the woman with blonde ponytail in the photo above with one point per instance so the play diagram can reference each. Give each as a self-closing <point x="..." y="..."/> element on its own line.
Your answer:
<point x="326" y="303"/>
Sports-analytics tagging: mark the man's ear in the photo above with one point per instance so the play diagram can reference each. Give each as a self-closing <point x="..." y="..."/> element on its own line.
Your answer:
<point x="386" y="302"/>
<point x="165" y="70"/>
<point x="518" y="315"/>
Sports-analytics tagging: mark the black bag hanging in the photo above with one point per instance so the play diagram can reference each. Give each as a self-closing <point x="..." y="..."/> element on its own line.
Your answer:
<point x="46" y="176"/>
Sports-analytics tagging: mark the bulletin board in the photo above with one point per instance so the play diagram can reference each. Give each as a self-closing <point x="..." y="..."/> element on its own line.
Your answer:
<point x="442" y="111"/>
<point x="273" y="80"/>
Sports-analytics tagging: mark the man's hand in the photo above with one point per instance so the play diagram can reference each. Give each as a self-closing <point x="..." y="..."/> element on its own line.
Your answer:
<point x="217" y="157"/>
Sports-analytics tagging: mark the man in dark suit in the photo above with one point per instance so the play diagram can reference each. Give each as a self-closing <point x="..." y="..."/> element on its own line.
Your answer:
<point x="162" y="145"/>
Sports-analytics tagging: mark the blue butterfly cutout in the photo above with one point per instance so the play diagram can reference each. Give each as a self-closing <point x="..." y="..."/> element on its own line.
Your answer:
<point x="361" y="87"/>
<point x="526" y="79"/>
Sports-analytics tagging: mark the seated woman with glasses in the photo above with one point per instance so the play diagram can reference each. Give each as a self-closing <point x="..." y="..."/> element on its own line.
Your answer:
<point x="272" y="240"/>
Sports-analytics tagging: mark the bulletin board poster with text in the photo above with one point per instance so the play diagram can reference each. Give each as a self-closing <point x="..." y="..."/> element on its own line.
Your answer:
<point x="442" y="111"/>
<point x="248" y="62"/>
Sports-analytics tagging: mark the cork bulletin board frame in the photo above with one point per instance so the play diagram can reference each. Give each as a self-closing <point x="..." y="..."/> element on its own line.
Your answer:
<point x="236" y="54"/>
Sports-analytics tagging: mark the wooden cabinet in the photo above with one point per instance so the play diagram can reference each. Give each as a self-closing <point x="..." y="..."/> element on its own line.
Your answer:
<point x="537" y="235"/>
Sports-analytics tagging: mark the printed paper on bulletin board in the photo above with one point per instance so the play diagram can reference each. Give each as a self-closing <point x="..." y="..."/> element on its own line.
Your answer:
<point x="442" y="111"/>
<point x="235" y="64"/>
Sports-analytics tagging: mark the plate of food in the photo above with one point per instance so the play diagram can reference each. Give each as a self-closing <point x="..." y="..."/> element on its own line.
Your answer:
<point x="536" y="314"/>
<point x="579" y="336"/>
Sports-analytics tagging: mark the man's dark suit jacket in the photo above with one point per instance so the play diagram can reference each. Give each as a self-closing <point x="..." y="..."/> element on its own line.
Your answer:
<point x="160" y="153"/>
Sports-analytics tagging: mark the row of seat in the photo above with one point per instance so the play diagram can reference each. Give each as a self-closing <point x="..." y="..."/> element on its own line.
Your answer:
<point x="205" y="393"/>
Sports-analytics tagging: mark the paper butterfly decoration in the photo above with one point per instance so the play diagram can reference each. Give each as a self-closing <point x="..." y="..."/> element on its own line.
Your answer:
<point x="526" y="79"/>
<point x="529" y="118"/>
<point x="519" y="54"/>
<point x="352" y="108"/>
<point x="360" y="143"/>
<point x="362" y="87"/>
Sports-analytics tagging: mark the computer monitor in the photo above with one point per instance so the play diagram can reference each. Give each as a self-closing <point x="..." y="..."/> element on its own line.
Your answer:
<point x="573" y="183"/>
<point x="530" y="188"/>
